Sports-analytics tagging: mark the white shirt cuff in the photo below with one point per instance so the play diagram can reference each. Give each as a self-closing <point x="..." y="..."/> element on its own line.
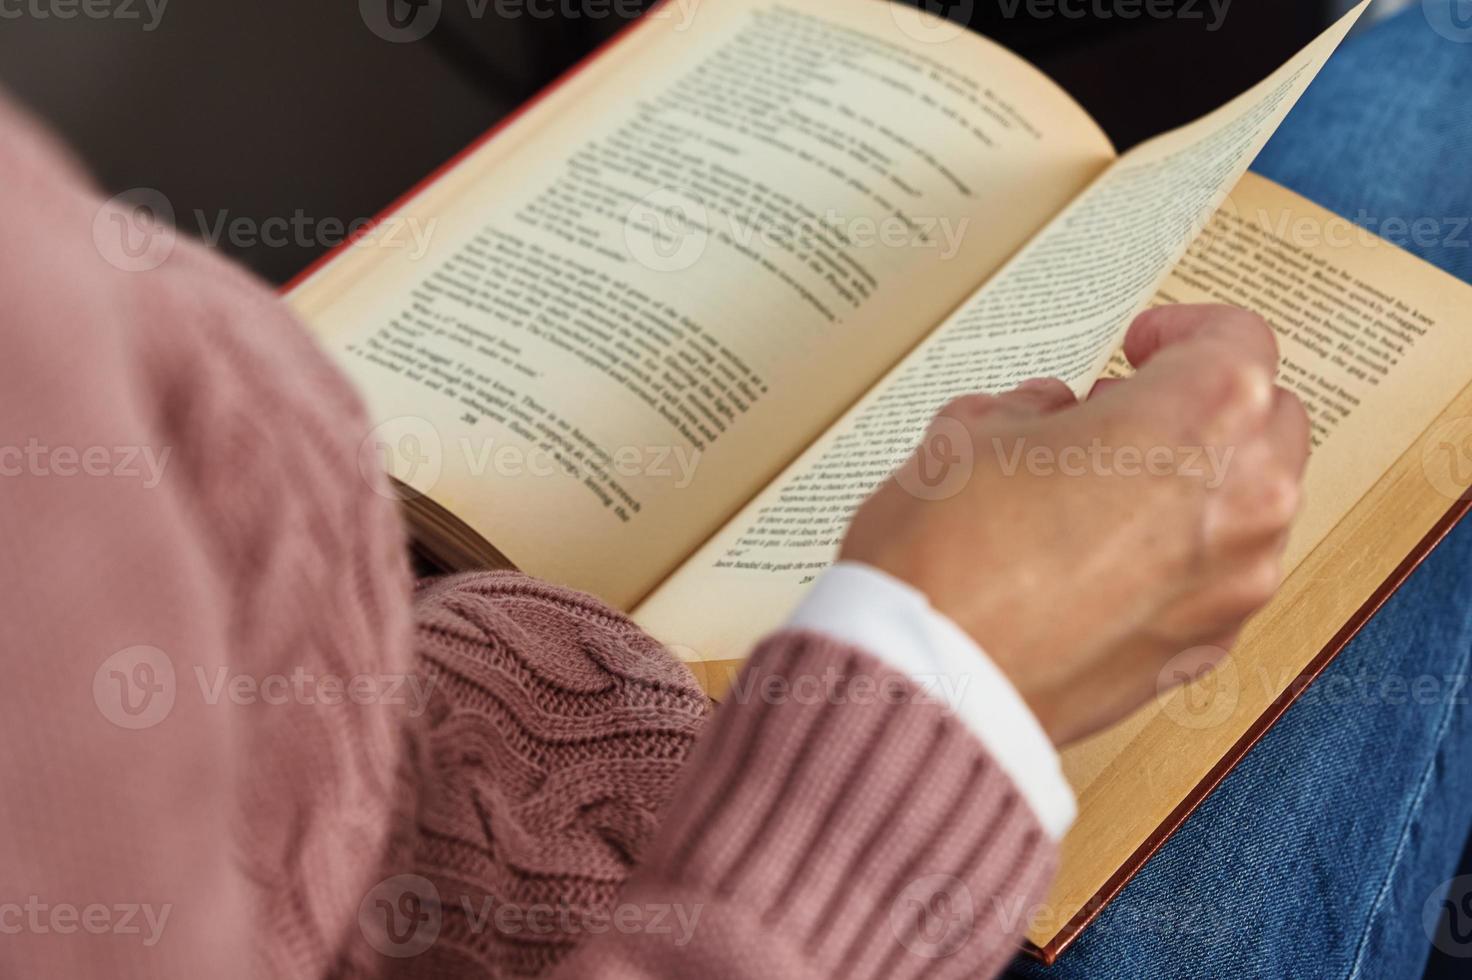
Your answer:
<point x="895" y="623"/>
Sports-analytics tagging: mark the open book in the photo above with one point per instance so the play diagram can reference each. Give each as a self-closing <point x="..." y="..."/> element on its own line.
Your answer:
<point x="660" y="336"/>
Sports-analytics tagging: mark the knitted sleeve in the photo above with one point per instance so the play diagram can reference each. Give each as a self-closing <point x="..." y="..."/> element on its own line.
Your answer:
<point x="829" y="822"/>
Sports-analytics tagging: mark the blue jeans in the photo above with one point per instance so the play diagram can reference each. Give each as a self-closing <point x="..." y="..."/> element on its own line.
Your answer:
<point x="1323" y="852"/>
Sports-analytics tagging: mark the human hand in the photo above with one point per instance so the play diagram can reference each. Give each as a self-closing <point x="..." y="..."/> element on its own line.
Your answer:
<point x="1091" y="542"/>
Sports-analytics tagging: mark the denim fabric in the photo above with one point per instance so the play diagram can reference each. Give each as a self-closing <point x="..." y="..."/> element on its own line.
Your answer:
<point x="1323" y="852"/>
<point x="1384" y="135"/>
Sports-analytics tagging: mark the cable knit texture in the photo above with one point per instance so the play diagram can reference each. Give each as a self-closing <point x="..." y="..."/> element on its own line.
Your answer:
<point x="235" y="741"/>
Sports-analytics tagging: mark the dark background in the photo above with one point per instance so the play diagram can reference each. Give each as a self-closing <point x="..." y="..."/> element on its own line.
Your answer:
<point x="269" y="108"/>
<point x="263" y="108"/>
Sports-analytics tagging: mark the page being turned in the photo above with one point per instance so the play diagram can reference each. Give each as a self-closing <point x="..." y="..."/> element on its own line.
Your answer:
<point x="1059" y="309"/>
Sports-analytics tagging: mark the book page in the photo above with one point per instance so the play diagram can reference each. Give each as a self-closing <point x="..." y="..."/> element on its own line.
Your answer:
<point x="1059" y="308"/>
<point x="1374" y="342"/>
<point x="1368" y="354"/>
<point x="650" y="294"/>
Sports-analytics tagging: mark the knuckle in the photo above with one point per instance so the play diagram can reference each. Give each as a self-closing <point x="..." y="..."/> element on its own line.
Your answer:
<point x="1260" y="582"/>
<point x="1246" y="321"/>
<point x="1279" y="497"/>
<point x="1236" y="384"/>
<point x="1302" y="423"/>
<point x="1295" y="403"/>
<point x="1051" y="389"/>
<point x="968" y="407"/>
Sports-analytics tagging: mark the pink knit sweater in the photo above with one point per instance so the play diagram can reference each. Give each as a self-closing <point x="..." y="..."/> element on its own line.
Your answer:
<point x="235" y="741"/>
